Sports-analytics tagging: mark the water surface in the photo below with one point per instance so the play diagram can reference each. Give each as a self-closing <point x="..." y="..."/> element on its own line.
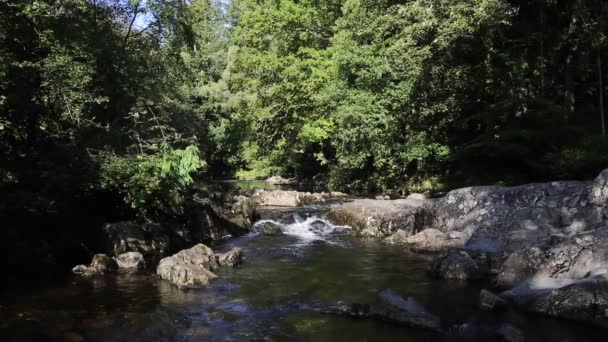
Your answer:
<point x="273" y="296"/>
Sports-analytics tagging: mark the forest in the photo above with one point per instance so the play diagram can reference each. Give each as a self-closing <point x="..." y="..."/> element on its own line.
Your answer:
<point x="140" y="100"/>
<point x="304" y="170"/>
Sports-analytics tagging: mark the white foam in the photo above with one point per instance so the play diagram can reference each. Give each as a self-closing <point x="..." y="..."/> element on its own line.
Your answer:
<point x="311" y="229"/>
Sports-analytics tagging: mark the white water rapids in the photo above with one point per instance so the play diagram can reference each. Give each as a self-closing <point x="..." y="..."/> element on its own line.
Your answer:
<point x="308" y="229"/>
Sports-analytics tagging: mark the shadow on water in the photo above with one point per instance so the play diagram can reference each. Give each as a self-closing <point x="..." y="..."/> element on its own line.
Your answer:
<point x="274" y="295"/>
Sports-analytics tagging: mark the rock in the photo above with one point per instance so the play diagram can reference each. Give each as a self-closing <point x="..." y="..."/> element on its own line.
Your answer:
<point x="381" y="218"/>
<point x="318" y="226"/>
<point x="519" y="266"/>
<point x="208" y="221"/>
<point x="278" y="180"/>
<point x="584" y="300"/>
<point x="282" y="198"/>
<point x="428" y="239"/>
<point x="152" y="240"/>
<point x="490" y="301"/>
<point x="130" y="260"/>
<point x="394" y="308"/>
<point x="270" y="228"/>
<point x="291" y="219"/>
<point x="599" y="190"/>
<point x="231" y="258"/>
<point x="459" y="266"/>
<point x="80" y="269"/>
<point x="103" y="263"/>
<point x="417" y="197"/>
<point x="190" y="268"/>
<point x="279" y="198"/>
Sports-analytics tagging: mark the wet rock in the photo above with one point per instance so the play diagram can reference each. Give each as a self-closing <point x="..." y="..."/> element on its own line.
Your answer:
<point x="408" y="311"/>
<point x="458" y="266"/>
<point x="270" y="228"/>
<point x="392" y="308"/>
<point x="354" y="310"/>
<point x="79" y="269"/>
<point x="291" y="219"/>
<point x="190" y="268"/>
<point x="131" y="260"/>
<point x="209" y="221"/>
<point x="584" y="300"/>
<point x="318" y="226"/>
<point x="231" y="258"/>
<point x="103" y="263"/>
<point x="490" y="301"/>
<point x="381" y="218"/>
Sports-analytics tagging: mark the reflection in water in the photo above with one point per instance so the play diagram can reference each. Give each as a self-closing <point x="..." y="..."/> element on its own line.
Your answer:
<point x="273" y="296"/>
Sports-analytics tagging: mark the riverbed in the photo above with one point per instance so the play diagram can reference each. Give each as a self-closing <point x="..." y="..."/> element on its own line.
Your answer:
<point x="275" y="295"/>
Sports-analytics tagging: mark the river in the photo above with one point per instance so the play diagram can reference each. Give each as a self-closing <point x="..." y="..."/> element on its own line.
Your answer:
<point x="275" y="295"/>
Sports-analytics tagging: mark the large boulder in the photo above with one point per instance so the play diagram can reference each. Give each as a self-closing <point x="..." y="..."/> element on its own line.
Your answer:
<point x="571" y="258"/>
<point x="208" y="221"/>
<point x="382" y="218"/>
<point x="584" y="300"/>
<point x="190" y="268"/>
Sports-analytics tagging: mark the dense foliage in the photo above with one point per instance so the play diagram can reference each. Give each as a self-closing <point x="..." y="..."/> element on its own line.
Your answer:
<point x="137" y="97"/>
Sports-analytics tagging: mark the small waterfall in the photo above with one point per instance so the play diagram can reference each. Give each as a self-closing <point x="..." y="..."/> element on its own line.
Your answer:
<point x="308" y="229"/>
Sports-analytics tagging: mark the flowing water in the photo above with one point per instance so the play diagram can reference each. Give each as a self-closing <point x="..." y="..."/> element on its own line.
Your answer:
<point x="275" y="295"/>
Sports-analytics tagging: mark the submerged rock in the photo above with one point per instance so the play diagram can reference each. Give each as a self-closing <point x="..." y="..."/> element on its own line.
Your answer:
<point x="231" y="258"/>
<point x="190" y="268"/>
<point x="457" y="265"/>
<point x="490" y="301"/>
<point x="270" y="228"/>
<point x="390" y="307"/>
<point x="408" y="311"/>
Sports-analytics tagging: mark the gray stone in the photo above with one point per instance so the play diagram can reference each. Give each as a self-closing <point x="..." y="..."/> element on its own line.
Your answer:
<point x="231" y="258"/>
<point x="103" y="263"/>
<point x="490" y="301"/>
<point x="131" y="260"/>
<point x="270" y="228"/>
<point x="458" y="266"/>
<point x="190" y="268"/>
<point x="381" y="218"/>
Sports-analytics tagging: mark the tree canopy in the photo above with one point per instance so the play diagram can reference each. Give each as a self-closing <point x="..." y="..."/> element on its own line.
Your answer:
<point x="137" y="97"/>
